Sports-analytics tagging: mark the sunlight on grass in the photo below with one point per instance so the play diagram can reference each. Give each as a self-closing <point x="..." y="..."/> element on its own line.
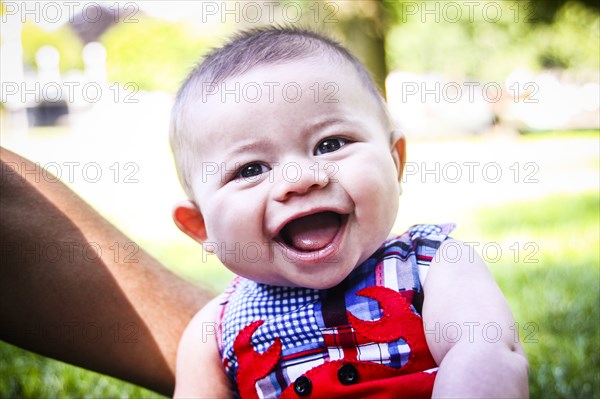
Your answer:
<point x="190" y="262"/>
<point x="554" y="295"/>
<point x="27" y="375"/>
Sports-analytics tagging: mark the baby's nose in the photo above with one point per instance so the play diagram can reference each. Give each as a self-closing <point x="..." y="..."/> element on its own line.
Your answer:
<point x="298" y="179"/>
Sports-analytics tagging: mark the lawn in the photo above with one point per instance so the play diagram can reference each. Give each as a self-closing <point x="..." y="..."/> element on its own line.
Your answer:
<point x="553" y="289"/>
<point x="549" y="271"/>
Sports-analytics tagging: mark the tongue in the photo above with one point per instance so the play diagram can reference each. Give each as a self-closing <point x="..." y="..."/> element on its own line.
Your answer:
<point x="312" y="232"/>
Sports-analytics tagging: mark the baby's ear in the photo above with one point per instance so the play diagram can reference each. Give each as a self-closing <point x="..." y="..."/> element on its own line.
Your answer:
<point x="399" y="151"/>
<point x="189" y="219"/>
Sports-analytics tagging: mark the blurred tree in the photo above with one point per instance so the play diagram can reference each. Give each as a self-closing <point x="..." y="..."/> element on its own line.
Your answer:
<point x="571" y="42"/>
<point x="487" y="47"/>
<point x="391" y="34"/>
<point x="89" y="29"/>
<point x="152" y="53"/>
<point x="546" y="10"/>
<point x="384" y="34"/>
<point x="360" y="25"/>
<point x="364" y="28"/>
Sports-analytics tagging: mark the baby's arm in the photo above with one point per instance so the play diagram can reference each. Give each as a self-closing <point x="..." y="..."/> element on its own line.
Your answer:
<point x="486" y="360"/>
<point x="199" y="373"/>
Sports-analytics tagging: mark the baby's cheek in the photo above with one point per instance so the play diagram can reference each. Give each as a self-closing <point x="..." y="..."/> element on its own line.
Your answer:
<point x="221" y="221"/>
<point x="376" y="192"/>
<point x="382" y="192"/>
<point x="379" y="174"/>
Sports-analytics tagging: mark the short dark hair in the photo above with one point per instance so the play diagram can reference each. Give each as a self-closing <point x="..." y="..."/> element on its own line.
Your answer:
<point x="249" y="49"/>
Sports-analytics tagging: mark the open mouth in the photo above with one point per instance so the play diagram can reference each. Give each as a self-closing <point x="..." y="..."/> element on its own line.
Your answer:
<point x="313" y="232"/>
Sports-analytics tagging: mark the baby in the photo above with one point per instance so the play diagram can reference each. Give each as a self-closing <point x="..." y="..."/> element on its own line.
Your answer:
<point x="292" y="166"/>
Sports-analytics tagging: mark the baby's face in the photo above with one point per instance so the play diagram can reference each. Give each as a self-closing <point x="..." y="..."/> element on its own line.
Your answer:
<point x="299" y="186"/>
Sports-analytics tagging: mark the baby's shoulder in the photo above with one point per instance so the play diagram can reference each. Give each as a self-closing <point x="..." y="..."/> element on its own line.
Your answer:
<point x="419" y="238"/>
<point x="434" y="232"/>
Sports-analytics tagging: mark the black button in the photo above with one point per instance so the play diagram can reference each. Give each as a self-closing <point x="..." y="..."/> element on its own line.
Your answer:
<point x="348" y="374"/>
<point x="302" y="386"/>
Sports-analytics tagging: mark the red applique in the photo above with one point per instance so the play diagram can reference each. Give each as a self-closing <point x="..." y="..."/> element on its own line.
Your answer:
<point x="375" y="380"/>
<point x="252" y="366"/>
<point x="397" y="321"/>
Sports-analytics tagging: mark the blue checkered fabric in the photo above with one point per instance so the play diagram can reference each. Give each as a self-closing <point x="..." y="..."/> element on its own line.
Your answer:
<point x="288" y="313"/>
<point x="299" y="316"/>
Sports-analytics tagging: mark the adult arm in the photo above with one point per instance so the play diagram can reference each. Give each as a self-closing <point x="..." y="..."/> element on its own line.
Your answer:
<point x="470" y="329"/>
<point x="64" y="295"/>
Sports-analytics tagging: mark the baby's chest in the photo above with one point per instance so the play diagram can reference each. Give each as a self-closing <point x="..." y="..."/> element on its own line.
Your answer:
<point x="321" y="345"/>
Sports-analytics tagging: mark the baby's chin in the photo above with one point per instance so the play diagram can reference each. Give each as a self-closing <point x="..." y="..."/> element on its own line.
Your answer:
<point x="320" y="284"/>
<point x="316" y="284"/>
<point x="317" y="281"/>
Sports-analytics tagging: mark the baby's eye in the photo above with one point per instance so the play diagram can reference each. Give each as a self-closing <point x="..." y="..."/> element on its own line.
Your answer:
<point x="330" y="145"/>
<point x="251" y="170"/>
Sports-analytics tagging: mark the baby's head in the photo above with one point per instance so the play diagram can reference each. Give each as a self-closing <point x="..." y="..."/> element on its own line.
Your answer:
<point x="285" y="149"/>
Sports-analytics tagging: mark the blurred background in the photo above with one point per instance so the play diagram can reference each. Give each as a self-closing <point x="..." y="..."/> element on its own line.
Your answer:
<point x="499" y="101"/>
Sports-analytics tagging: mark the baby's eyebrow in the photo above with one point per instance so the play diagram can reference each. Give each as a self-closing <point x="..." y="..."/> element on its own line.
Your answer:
<point x="253" y="146"/>
<point x="324" y="123"/>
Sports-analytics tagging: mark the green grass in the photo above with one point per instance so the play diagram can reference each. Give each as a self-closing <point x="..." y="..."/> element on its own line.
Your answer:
<point x="555" y="292"/>
<point x="188" y="261"/>
<point x="552" y="287"/>
<point x="27" y="375"/>
<point x="560" y="134"/>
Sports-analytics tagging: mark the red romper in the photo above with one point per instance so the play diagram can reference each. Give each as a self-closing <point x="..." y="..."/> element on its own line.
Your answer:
<point x="361" y="338"/>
